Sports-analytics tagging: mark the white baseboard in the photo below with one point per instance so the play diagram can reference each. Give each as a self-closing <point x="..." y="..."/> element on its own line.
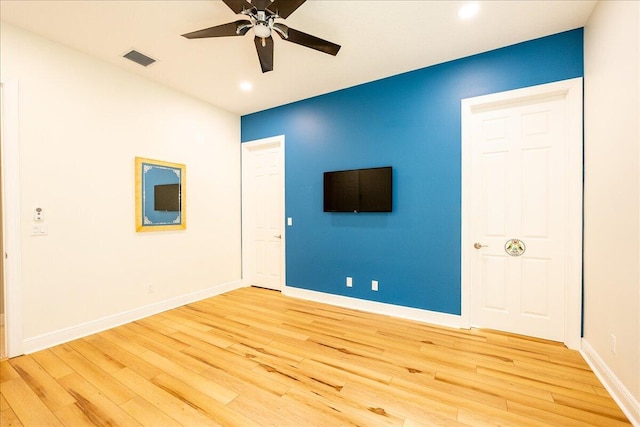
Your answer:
<point x="61" y="336"/>
<point x="425" y="316"/>
<point x="623" y="397"/>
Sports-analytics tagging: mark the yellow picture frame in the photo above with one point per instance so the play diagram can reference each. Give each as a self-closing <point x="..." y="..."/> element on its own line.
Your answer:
<point x="157" y="184"/>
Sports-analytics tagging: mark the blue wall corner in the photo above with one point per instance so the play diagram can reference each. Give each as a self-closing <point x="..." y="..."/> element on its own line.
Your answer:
<point x="411" y="122"/>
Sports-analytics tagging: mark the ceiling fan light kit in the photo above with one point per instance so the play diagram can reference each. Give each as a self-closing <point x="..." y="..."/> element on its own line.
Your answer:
<point x="262" y="15"/>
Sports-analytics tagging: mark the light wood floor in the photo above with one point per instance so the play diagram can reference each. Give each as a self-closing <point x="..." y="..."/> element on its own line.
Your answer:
<point x="254" y="357"/>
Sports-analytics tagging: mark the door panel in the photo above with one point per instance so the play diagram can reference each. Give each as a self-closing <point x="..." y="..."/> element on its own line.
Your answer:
<point x="494" y="282"/>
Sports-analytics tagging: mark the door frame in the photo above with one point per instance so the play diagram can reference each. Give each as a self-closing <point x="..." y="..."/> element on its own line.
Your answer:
<point x="248" y="148"/>
<point x="11" y="215"/>
<point x="572" y="91"/>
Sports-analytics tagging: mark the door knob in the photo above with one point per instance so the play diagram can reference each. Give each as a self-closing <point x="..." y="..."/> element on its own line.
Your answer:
<point x="279" y="236"/>
<point x="479" y="245"/>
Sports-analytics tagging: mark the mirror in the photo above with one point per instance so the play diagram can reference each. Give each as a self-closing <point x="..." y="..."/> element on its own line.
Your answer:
<point x="160" y="195"/>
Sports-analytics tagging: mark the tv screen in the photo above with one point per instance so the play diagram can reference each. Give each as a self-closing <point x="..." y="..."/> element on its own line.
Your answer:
<point x="358" y="190"/>
<point x="166" y="197"/>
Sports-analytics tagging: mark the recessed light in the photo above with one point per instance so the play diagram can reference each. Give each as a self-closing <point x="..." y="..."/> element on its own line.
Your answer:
<point x="469" y="10"/>
<point x="246" y="86"/>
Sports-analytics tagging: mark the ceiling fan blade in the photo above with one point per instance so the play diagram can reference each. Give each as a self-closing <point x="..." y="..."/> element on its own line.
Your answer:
<point x="238" y="28"/>
<point x="304" y="39"/>
<point x="238" y="5"/>
<point x="284" y="8"/>
<point x="265" y="53"/>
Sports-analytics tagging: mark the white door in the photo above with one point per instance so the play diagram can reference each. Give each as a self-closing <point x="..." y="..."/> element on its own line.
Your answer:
<point x="262" y="212"/>
<point x="11" y="217"/>
<point x="518" y="221"/>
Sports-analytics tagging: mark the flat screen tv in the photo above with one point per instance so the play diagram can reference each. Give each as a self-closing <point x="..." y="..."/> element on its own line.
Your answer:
<point x="166" y="197"/>
<point x="358" y="190"/>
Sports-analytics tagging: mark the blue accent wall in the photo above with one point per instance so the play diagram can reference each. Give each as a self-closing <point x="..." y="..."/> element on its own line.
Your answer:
<point x="411" y="122"/>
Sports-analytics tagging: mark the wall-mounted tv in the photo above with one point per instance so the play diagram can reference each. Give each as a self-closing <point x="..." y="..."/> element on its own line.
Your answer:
<point x="358" y="190"/>
<point x="166" y="197"/>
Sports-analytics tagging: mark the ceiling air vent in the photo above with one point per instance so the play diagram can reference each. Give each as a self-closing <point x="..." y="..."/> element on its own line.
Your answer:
<point x="139" y="58"/>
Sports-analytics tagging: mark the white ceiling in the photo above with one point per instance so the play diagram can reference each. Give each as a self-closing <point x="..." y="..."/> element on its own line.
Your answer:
<point x="378" y="38"/>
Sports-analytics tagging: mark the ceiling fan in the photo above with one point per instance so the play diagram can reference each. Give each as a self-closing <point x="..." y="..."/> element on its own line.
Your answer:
<point x="261" y="16"/>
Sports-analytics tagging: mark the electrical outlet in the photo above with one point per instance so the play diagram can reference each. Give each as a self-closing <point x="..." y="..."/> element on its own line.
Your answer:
<point x="374" y="285"/>
<point x="349" y="282"/>
<point x="38" y="215"/>
<point x="614" y="344"/>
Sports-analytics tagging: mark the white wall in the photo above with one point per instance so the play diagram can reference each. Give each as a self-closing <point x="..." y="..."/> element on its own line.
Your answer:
<point x="82" y="122"/>
<point x="612" y="192"/>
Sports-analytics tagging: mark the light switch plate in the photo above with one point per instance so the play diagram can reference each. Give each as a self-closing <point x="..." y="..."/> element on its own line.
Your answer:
<point x="39" y="230"/>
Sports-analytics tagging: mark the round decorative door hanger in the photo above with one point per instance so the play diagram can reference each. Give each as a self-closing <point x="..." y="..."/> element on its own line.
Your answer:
<point x="514" y="247"/>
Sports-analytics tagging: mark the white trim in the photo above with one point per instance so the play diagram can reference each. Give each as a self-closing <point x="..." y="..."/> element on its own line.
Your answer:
<point x="247" y="147"/>
<point x="11" y="213"/>
<point x="418" y="315"/>
<point x="572" y="91"/>
<point x="623" y="397"/>
<point x="78" y="331"/>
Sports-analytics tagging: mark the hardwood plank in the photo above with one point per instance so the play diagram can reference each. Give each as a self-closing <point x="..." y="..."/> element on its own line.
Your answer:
<point x="52" y="363"/>
<point x="164" y="401"/>
<point x="121" y="338"/>
<point x="532" y="379"/>
<point x="184" y="325"/>
<point x="390" y="391"/>
<point x="265" y="354"/>
<point x="198" y="382"/>
<point x="584" y="376"/>
<point x="147" y="414"/>
<point x="214" y="357"/>
<point x="392" y="406"/>
<point x="96" y="355"/>
<point x="103" y="381"/>
<point x="48" y="390"/>
<point x="230" y="375"/>
<point x="117" y="352"/>
<point x="599" y="410"/>
<point x="562" y="415"/>
<point x="269" y="413"/>
<point x="8" y="418"/>
<point x="26" y="405"/>
<point x="3" y="403"/>
<point x="141" y="331"/>
<point x="505" y="419"/>
<point x="7" y="373"/>
<point x="469" y="403"/>
<point x="494" y="386"/>
<point x="209" y="407"/>
<point x="196" y="364"/>
<point x="91" y="406"/>
<point x="339" y="410"/>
